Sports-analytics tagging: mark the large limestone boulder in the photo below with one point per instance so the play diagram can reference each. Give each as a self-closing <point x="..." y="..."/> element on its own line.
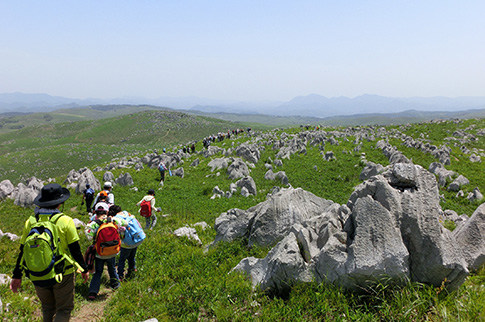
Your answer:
<point x="125" y="179"/>
<point x="237" y="169"/>
<point x="87" y="177"/>
<point x="371" y="169"/>
<point x="218" y="163"/>
<point x="249" y="184"/>
<point x="108" y="176"/>
<point x="249" y="152"/>
<point x="389" y="231"/>
<point x="471" y="238"/>
<point x="270" y="221"/>
<point x="458" y="183"/>
<point x="24" y="196"/>
<point x="179" y="172"/>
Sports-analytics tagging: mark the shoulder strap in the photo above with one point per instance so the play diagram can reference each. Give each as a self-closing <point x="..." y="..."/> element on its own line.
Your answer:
<point x="55" y="217"/>
<point x="33" y="220"/>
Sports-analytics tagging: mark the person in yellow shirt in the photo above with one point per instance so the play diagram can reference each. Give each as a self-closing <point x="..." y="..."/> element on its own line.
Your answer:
<point x="56" y="294"/>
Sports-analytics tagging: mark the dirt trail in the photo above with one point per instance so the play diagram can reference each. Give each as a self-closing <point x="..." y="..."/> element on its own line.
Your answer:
<point x="93" y="310"/>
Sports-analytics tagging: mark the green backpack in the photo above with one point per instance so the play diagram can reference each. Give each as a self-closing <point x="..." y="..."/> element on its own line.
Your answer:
<point x="43" y="258"/>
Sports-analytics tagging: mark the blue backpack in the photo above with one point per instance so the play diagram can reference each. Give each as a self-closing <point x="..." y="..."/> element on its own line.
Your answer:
<point x="134" y="234"/>
<point x="90" y="193"/>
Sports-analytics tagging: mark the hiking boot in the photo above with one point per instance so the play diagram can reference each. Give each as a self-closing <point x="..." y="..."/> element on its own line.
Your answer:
<point x="92" y="296"/>
<point x="114" y="284"/>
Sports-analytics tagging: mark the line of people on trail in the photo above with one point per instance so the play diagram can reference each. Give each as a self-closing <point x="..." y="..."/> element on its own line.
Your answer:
<point x="50" y="252"/>
<point x="206" y="142"/>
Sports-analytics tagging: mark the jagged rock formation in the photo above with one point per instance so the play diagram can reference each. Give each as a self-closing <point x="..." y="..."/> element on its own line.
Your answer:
<point x="471" y="238"/>
<point x="389" y="230"/>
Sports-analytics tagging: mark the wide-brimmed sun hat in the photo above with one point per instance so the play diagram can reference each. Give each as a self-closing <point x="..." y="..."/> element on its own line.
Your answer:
<point x="51" y="194"/>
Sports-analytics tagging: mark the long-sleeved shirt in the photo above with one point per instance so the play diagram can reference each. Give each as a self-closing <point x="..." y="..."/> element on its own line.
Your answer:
<point x="148" y="198"/>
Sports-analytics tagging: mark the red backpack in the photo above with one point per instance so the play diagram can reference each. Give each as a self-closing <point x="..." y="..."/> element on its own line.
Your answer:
<point x="146" y="209"/>
<point x="108" y="241"/>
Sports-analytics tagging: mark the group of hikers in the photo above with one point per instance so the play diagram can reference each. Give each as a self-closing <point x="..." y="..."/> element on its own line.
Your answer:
<point x="206" y="142"/>
<point x="50" y="252"/>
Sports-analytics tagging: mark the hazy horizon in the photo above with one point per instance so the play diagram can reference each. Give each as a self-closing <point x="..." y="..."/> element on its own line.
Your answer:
<point x="250" y="51"/>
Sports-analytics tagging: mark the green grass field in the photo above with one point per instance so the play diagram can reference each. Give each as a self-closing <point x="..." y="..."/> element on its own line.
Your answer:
<point x="177" y="280"/>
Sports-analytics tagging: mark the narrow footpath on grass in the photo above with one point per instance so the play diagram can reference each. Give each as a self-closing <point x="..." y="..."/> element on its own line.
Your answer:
<point x="93" y="310"/>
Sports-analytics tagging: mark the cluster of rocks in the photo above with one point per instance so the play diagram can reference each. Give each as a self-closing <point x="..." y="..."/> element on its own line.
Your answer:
<point x="390" y="231"/>
<point x="23" y="194"/>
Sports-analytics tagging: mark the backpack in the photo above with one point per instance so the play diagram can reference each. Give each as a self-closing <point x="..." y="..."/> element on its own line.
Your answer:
<point x="89" y="256"/>
<point x="108" y="241"/>
<point x="90" y="193"/>
<point x="146" y="208"/>
<point x="134" y="234"/>
<point x="43" y="258"/>
<point x="162" y="167"/>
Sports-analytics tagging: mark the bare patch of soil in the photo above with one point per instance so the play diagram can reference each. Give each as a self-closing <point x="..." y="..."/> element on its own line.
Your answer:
<point x="91" y="311"/>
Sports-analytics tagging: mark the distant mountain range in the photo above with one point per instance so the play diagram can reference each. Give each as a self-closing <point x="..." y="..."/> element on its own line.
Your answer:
<point x="312" y="105"/>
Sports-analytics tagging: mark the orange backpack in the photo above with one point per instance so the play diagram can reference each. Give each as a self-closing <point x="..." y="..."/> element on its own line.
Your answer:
<point x="108" y="241"/>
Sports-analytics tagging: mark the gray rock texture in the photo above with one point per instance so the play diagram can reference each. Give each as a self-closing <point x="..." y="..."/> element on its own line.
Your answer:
<point x="389" y="231"/>
<point x="471" y="238"/>
<point x="237" y="169"/>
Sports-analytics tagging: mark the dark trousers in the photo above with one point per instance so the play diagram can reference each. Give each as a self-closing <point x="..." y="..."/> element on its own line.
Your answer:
<point x="57" y="300"/>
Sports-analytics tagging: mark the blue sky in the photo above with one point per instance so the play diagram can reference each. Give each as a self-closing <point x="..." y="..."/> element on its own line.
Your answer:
<point x="242" y="50"/>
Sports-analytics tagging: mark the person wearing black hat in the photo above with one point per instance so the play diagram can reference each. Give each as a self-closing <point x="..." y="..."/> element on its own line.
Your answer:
<point x="150" y="197"/>
<point x="57" y="300"/>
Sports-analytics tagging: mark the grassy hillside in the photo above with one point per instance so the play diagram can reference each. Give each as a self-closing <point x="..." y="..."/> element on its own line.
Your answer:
<point x="177" y="280"/>
<point x="50" y="150"/>
<point x="14" y="121"/>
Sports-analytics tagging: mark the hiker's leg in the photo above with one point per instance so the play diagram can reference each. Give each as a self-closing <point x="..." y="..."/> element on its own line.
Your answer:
<point x="89" y="203"/>
<point x="114" y="280"/>
<point x="147" y="222"/>
<point x="48" y="300"/>
<point x="132" y="260"/>
<point x="154" y="220"/>
<point x="124" y="254"/>
<point x="96" y="280"/>
<point x="64" y="293"/>
<point x="111" y="268"/>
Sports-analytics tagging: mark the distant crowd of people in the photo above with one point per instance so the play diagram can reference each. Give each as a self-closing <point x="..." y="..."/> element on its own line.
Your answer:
<point x="206" y="142"/>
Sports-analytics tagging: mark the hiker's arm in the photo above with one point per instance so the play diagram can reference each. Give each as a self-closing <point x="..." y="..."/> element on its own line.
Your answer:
<point x="152" y="203"/>
<point x="17" y="273"/>
<point x="76" y="253"/>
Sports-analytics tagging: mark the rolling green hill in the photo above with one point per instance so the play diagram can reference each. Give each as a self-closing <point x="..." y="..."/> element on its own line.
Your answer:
<point x="49" y="150"/>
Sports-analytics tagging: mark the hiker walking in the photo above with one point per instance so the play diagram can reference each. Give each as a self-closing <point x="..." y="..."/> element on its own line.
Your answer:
<point x="162" y="168"/>
<point x="132" y="237"/>
<point x="55" y="289"/>
<point x="88" y="197"/>
<point x="107" y="187"/>
<point x="148" y="209"/>
<point x="105" y="231"/>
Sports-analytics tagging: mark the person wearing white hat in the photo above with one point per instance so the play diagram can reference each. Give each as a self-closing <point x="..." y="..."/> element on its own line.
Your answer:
<point x="107" y="187"/>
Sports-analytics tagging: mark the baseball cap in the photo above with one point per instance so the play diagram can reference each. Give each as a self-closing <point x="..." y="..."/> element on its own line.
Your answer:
<point x="102" y="206"/>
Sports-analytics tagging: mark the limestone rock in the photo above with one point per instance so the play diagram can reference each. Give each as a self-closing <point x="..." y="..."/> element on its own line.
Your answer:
<point x="6" y="189"/>
<point x="471" y="238"/>
<point x="237" y="169"/>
